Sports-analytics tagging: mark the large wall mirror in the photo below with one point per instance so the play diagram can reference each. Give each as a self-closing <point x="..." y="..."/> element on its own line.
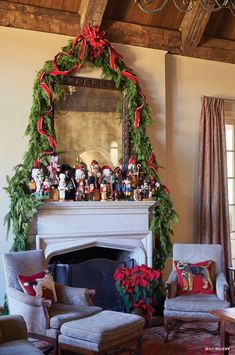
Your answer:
<point x="91" y="122"/>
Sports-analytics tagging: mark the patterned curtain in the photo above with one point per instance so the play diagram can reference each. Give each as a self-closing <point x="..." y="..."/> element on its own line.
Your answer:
<point x="213" y="221"/>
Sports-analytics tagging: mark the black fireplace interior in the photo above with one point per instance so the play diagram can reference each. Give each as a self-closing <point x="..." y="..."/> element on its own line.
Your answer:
<point x="92" y="268"/>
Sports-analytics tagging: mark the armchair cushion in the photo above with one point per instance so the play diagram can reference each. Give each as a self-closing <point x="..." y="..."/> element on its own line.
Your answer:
<point x="40" y="284"/>
<point x="19" y="347"/>
<point x="195" y="303"/>
<point x="61" y="313"/>
<point x="197" y="278"/>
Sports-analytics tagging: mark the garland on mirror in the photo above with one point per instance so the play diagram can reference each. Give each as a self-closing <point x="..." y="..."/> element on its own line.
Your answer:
<point x="90" y="46"/>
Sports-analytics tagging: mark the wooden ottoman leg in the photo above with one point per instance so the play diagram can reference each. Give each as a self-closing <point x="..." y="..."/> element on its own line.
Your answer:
<point x="139" y="343"/>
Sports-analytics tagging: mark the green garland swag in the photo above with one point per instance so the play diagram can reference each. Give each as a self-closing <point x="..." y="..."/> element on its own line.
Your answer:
<point x="92" y="47"/>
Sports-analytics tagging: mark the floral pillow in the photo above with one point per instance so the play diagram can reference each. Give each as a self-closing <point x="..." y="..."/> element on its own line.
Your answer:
<point x="195" y="278"/>
<point x="40" y="284"/>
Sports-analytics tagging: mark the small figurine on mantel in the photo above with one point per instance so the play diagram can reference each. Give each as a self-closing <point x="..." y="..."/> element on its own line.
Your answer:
<point x="62" y="186"/>
<point x="134" y="172"/>
<point x="153" y="186"/>
<point x="137" y="195"/>
<point x="54" y="170"/>
<point x="117" y="185"/>
<point x="80" y="177"/>
<point x="91" y="186"/>
<point x="96" y="173"/>
<point x="107" y="178"/>
<point x="145" y="190"/>
<point x="46" y="186"/>
<point x="70" y="181"/>
<point x="103" y="191"/>
<point x="127" y="188"/>
<point x="37" y="178"/>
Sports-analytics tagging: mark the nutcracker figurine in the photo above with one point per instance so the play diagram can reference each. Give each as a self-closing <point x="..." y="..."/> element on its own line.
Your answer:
<point x="70" y="181"/>
<point x="107" y="178"/>
<point x="134" y="171"/>
<point x="80" y="177"/>
<point x="46" y="186"/>
<point x="118" y="183"/>
<point x="103" y="191"/>
<point x="145" y="190"/>
<point x="37" y="177"/>
<point x="91" y="184"/>
<point x="62" y="186"/>
<point x="127" y="188"/>
<point x="54" y="169"/>
<point x="95" y="172"/>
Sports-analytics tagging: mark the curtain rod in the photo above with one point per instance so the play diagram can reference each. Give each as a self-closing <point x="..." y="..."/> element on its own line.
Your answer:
<point x="221" y="98"/>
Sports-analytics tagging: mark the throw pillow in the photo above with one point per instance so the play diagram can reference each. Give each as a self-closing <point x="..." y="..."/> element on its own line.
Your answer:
<point x="195" y="278"/>
<point x="40" y="284"/>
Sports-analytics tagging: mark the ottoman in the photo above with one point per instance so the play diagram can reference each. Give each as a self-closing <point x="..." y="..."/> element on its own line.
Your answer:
<point x="101" y="332"/>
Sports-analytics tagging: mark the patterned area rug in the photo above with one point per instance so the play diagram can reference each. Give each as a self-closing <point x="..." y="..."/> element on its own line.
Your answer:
<point x="187" y="343"/>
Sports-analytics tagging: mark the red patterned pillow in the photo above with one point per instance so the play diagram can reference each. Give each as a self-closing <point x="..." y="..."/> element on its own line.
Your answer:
<point x="195" y="278"/>
<point x="40" y="284"/>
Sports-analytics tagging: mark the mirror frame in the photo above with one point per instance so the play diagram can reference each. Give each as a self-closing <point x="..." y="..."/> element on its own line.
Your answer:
<point x="79" y="81"/>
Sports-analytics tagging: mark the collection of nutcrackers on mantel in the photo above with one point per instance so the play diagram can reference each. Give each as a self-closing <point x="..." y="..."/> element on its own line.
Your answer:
<point x="78" y="183"/>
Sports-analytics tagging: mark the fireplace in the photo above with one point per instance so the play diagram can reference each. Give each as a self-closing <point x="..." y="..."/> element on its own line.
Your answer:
<point x="84" y="238"/>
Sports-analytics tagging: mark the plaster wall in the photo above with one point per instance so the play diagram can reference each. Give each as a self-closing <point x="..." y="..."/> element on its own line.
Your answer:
<point x="187" y="79"/>
<point x="24" y="54"/>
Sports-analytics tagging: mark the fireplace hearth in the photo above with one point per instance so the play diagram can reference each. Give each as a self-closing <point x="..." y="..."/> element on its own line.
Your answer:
<point x="88" y="239"/>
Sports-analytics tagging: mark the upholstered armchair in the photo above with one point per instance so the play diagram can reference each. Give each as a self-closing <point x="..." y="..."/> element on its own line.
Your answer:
<point x="13" y="337"/>
<point x="43" y="317"/>
<point x="195" y="307"/>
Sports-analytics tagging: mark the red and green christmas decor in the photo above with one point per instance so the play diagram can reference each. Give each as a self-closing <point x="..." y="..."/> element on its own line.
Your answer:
<point x="92" y="47"/>
<point x="138" y="288"/>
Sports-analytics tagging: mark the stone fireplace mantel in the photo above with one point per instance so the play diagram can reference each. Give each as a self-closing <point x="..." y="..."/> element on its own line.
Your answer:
<point x="63" y="227"/>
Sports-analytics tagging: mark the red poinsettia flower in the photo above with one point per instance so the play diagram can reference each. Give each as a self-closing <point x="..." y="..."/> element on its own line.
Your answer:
<point x="138" y="287"/>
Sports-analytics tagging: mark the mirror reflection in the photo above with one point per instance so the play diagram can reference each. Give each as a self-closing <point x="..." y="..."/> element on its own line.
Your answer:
<point x="88" y="125"/>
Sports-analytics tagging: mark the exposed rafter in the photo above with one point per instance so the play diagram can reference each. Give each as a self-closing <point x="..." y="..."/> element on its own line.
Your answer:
<point x="143" y="36"/>
<point x="91" y="12"/>
<point x="193" y="25"/>
<point x="61" y="22"/>
<point x="38" y="19"/>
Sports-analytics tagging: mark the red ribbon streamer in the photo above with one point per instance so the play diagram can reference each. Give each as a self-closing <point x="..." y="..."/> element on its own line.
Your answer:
<point x="47" y="90"/>
<point x="166" y="190"/>
<point x="151" y="162"/>
<point x="130" y="76"/>
<point x="138" y="109"/>
<point x="50" y="138"/>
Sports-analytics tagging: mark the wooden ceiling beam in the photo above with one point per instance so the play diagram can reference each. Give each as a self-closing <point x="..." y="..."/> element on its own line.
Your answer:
<point x="152" y="37"/>
<point x="211" y="53"/>
<point x="66" y="23"/>
<point x="193" y="25"/>
<point x="143" y="36"/>
<point x="218" y="43"/>
<point x="38" y="19"/>
<point x="91" y="12"/>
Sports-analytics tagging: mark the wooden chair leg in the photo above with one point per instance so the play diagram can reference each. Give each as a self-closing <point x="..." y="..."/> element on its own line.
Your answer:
<point x="166" y="330"/>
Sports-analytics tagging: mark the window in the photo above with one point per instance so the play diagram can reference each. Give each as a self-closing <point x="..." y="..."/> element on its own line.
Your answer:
<point x="230" y="149"/>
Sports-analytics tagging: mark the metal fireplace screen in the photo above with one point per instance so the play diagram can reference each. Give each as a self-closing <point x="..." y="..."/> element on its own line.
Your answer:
<point x="95" y="273"/>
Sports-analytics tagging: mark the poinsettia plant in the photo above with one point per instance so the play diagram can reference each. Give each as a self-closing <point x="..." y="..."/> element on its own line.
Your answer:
<point x="138" y="288"/>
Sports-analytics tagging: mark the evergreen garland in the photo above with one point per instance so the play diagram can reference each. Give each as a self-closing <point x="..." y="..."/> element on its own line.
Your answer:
<point x="91" y="47"/>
